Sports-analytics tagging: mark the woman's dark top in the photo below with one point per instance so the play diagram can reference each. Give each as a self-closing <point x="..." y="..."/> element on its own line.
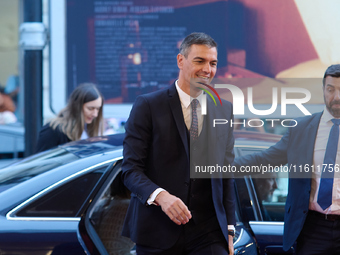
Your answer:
<point x="50" y="138"/>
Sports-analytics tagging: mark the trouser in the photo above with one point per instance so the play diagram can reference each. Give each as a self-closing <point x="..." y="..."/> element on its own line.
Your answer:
<point x="319" y="236"/>
<point x="195" y="239"/>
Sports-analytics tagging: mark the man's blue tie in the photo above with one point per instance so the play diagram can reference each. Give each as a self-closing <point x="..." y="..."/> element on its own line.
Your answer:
<point x="327" y="176"/>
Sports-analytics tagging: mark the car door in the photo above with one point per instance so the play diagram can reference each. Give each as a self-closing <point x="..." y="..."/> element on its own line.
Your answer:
<point x="244" y="242"/>
<point x="262" y="202"/>
<point x="47" y="223"/>
<point x="102" y="224"/>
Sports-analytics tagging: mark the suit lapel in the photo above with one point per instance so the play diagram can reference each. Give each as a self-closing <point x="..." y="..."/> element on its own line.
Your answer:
<point x="211" y="132"/>
<point x="311" y="132"/>
<point x="303" y="154"/>
<point x="176" y="109"/>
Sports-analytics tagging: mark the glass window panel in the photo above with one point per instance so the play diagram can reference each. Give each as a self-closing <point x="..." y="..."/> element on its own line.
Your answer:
<point x="64" y="201"/>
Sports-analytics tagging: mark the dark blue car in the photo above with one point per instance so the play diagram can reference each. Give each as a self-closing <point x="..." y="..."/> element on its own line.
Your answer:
<point x="70" y="200"/>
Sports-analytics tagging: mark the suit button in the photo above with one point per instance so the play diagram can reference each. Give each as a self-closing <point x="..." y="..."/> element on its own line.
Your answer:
<point x="304" y="212"/>
<point x="192" y="195"/>
<point x="186" y="184"/>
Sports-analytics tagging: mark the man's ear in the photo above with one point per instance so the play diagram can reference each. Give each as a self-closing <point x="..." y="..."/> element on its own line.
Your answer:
<point x="180" y="59"/>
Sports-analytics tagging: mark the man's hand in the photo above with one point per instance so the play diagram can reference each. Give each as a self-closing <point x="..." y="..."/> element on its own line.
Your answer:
<point x="174" y="207"/>
<point x="231" y="245"/>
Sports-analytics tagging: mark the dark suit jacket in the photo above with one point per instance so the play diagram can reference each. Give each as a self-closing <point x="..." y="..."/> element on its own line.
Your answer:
<point x="50" y="138"/>
<point x="295" y="148"/>
<point x="156" y="154"/>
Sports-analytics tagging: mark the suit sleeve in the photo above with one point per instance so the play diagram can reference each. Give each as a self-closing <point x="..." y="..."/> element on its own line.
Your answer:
<point x="228" y="183"/>
<point x="48" y="139"/>
<point x="137" y="143"/>
<point x="276" y="155"/>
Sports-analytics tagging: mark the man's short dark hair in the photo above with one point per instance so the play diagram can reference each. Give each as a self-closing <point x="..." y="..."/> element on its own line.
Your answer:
<point x="196" y="38"/>
<point x="333" y="71"/>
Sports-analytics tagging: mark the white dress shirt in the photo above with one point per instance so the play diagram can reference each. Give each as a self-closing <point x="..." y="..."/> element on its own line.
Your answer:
<point x="84" y="135"/>
<point x="321" y="140"/>
<point x="186" y="109"/>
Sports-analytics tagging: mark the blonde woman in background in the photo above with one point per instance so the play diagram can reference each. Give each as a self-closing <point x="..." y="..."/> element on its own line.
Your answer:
<point x="80" y="119"/>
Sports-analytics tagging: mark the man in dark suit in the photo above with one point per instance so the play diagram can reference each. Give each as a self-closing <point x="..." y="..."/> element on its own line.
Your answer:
<point x="312" y="211"/>
<point x="166" y="134"/>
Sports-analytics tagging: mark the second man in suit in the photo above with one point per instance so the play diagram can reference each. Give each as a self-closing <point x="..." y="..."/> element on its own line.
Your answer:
<point x="312" y="210"/>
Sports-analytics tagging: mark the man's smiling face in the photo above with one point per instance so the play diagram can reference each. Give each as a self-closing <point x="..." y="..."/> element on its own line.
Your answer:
<point x="200" y="66"/>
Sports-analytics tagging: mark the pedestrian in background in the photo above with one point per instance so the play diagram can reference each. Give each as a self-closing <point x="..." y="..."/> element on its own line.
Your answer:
<point x="7" y="109"/>
<point x="80" y="119"/>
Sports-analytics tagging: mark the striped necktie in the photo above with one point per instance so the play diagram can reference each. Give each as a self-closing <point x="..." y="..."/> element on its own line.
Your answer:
<point x="194" y="120"/>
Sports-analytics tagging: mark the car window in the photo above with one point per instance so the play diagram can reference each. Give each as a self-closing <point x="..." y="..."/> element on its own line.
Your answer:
<point x="262" y="198"/>
<point x="66" y="200"/>
<point x="272" y="194"/>
<point x="246" y="203"/>
<point x="31" y="167"/>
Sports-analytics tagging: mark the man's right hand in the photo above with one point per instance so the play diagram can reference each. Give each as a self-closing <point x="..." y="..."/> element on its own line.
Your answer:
<point x="174" y="207"/>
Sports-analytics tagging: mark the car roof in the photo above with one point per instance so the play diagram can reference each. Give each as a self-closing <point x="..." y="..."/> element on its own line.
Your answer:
<point x="94" y="145"/>
<point x="13" y="195"/>
<point x="102" y="144"/>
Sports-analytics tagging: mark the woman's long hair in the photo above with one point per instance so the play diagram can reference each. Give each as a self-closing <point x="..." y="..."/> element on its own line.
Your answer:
<point x="70" y="120"/>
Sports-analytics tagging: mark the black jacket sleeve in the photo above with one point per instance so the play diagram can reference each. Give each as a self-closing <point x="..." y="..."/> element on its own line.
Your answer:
<point x="50" y="138"/>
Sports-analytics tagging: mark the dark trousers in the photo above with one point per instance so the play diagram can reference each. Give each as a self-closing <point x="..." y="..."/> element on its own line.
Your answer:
<point x="319" y="237"/>
<point x="196" y="239"/>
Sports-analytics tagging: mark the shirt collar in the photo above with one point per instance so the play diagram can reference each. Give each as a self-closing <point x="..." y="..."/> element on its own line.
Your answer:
<point x="185" y="98"/>
<point x="326" y="116"/>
